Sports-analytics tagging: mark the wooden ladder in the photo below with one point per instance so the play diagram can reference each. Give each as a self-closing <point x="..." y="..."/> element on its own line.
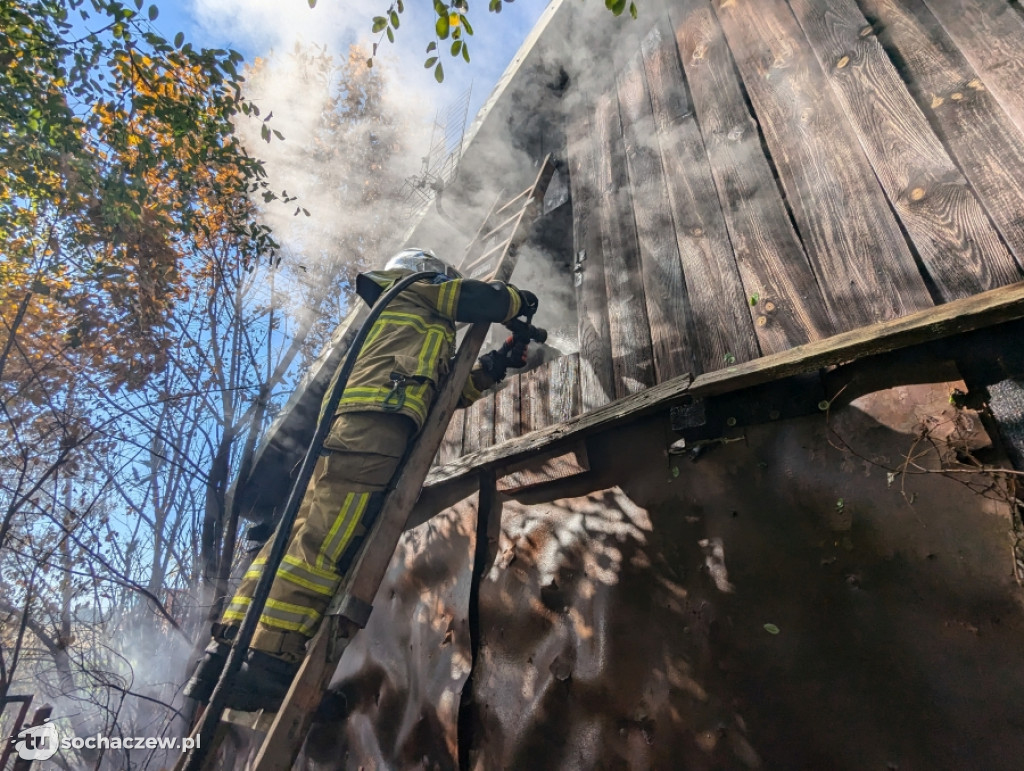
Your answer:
<point x="491" y="255"/>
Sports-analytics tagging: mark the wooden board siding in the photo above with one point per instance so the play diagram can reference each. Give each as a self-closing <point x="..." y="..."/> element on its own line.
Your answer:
<point x="991" y="36"/>
<point x="507" y="421"/>
<point x="784" y="299"/>
<point x="629" y="329"/>
<point x="719" y="315"/>
<point x="979" y="134"/>
<point x="958" y="246"/>
<point x="661" y="269"/>
<point x="535" y="388"/>
<point x="478" y="431"/>
<point x="597" y="385"/>
<point x="564" y="394"/>
<point x="864" y="266"/>
<point x="451" y="446"/>
<point x="752" y="176"/>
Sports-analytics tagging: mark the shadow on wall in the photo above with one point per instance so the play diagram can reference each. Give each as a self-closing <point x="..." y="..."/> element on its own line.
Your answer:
<point x="781" y="603"/>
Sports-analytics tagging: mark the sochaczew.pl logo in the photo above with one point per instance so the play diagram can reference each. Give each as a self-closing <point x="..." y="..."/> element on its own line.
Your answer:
<point x="41" y="742"/>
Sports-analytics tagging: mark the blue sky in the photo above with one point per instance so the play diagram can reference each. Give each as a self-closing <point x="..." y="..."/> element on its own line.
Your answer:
<point x="257" y="27"/>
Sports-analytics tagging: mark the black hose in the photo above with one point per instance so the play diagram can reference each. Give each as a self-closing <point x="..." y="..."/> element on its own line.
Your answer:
<point x="215" y="709"/>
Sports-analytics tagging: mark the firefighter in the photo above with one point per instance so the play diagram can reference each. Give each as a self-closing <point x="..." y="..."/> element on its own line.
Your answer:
<point x="386" y="400"/>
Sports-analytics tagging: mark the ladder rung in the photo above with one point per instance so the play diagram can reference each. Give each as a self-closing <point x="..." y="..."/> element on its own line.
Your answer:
<point x="504" y="224"/>
<point x="483" y="258"/>
<point x="510" y="202"/>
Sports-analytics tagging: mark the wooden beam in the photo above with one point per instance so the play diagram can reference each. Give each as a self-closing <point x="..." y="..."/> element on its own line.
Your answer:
<point x="983" y="310"/>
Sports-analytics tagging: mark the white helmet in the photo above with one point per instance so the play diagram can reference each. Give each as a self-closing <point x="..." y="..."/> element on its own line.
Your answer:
<point x="416" y="260"/>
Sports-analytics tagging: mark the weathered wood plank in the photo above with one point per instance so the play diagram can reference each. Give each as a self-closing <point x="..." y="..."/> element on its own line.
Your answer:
<point x="723" y="331"/>
<point x="944" y="321"/>
<point x="451" y="445"/>
<point x="969" y="120"/>
<point x="665" y="290"/>
<point x="629" y="329"/>
<point x="957" y="244"/>
<point x="990" y="34"/>
<point x="534" y="402"/>
<point x="507" y="422"/>
<point x="478" y="432"/>
<point x="785" y="302"/>
<point x="863" y="265"/>
<point x="564" y="390"/>
<point x="597" y="386"/>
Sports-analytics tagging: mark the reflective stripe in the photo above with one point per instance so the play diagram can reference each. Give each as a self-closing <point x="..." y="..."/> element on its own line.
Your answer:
<point x="446" y="298"/>
<point x="290" y="617"/>
<point x="431" y="352"/>
<point x="417" y="321"/>
<point x="341" y="531"/>
<point x="514" y="303"/>
<point x="415" y="400"/>
<point x="255" y="569"/>
<point x="236" y="610"/>
<point x="297" y="571"/>
<point x="277" y="615"/>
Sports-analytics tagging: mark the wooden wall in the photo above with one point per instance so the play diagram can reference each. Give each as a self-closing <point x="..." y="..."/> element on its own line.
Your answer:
<point x="752" y="175"/>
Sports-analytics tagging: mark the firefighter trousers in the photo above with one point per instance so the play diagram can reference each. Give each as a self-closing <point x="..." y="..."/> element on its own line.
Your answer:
<point x="361" y="454"/>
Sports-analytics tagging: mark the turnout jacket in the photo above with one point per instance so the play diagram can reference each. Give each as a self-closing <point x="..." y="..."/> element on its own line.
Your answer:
<point x="409" y="348"/>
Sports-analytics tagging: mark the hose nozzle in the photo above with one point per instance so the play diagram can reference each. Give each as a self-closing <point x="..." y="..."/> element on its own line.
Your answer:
<point x="524" y="332"/>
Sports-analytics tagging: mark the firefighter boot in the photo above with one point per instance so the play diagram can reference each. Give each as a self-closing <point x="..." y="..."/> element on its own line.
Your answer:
<point x="262" y="682"/>
<point x="207" y="671"/>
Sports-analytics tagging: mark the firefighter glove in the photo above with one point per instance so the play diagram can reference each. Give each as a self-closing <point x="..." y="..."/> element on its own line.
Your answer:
<point x="529" y="302"/>
<point x="511" y="355"/>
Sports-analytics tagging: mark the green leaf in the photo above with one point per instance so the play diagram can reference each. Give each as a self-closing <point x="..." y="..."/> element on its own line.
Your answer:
<point x="312" y="3"/>
<point x="153" y="12"/>
<point x="369" y="63"/>
<point x="439" y="73"/>
<point x="456" y="47"/>
<point x="466" y="24"/>
<point x="430" y="62"/>
<point x="138" y="4"/>
<point x="439" y="8"/>
<point x="391" y="35"/>
<point x="401" y="6"/>
<point x="618" y="6"/>
<point x="632" y="10"/>
<point x="179" y="39"/>
<point x="379" y="23"/>
<point x="771" y="629"/>
<point x="441" y="27"/>
<point x="431" y="46"/>
<point x="465" y="52"/>
<point x="394" y="19"/>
